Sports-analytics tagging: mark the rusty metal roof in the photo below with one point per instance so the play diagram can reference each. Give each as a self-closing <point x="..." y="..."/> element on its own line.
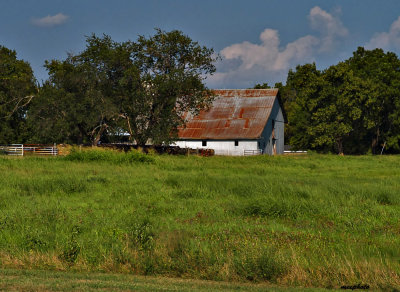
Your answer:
<point x="234" y="114"/>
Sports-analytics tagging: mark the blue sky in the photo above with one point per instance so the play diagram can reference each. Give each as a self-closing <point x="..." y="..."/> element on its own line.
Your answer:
<point x="258" y="40"/>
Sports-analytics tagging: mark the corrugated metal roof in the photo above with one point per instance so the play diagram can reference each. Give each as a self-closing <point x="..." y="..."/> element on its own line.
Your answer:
<point x="234" y="114"/>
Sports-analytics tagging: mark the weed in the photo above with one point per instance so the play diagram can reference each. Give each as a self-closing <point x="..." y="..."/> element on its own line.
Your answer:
<point x="34" y="241"/>
<point x="72" y="248"/>
<point x="141" y="234"/>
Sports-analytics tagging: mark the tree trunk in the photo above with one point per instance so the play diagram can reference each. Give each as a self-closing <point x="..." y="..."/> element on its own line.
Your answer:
<point x="129" y="129"/>
<point x="141" y="141"/>
<point x="81" y="135"/>
<point x="339" y="144"/>
<point x="375" y="141"/>
<point x="99" y="133"/>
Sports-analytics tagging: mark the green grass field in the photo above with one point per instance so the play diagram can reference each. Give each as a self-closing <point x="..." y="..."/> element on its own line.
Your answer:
<point x="286" y="221"/>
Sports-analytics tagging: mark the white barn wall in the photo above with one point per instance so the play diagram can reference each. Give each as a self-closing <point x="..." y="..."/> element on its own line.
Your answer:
<point x="221" y="147"/>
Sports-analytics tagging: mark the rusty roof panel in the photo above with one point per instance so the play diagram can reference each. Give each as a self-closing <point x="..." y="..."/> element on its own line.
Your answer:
<point x="235" y="114"/>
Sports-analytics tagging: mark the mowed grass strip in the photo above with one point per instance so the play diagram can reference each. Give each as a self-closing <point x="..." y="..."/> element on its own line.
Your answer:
<point x="41" y="280"/>
<point x="309" y="221"/>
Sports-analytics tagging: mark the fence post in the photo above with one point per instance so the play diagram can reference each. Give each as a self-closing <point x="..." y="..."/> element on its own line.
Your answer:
<point x="22" y="149"/>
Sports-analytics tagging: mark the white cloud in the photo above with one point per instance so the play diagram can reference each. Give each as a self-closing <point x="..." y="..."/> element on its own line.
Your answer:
<point x="387" y="40"/>
<point x="330" y="27"/>
<point x="245" y="64"/>
<point x="259" y="62"/>
<point x="50" y="20"/>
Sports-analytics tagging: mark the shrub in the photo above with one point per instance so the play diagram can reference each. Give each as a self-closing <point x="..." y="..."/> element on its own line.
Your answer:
<point x="112" y="156"/>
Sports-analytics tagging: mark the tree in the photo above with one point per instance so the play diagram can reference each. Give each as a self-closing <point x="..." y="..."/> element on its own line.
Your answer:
<point x="301" y="96"/>
<point x="78" y="104"/>
<point x="172" y="68"/>
<point x="380" y="104"/>
<point x="261" y="86"/>
<point x="141" y="87"/>
<point x="351" y="107"/>
<point x="17" y="86"/>
<point x="339" y="110"/>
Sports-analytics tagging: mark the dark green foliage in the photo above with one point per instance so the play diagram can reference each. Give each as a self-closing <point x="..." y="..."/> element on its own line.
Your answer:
<point x="141" y="88"/>
<point x="262" y="86"/>
<point x="172" y="69"/>
<point x="351" y="107"/>
<point x="17" y="86"/>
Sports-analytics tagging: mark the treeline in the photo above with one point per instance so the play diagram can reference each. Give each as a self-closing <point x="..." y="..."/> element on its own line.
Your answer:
<point x="144" y="87"/>
<point x="352" y="107"/>
<point x="110" y="89"/>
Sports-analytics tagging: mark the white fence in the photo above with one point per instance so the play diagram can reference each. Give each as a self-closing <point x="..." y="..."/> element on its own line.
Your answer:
<point x="252" y="152"/>
<point x="13" y="149"/>
<point x="294" y="152"/>
<point x="21" y="149"/>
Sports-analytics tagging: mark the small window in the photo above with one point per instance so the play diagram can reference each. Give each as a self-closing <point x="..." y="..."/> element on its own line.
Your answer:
<point x="236" y="142"/>
<point x="204" y="143"/>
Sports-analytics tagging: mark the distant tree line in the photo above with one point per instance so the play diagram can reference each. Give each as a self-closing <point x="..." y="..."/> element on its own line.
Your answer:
<point x="144" y="87"/>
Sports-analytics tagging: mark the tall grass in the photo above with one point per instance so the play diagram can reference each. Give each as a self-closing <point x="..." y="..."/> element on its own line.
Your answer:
<point x="316" y="220"/>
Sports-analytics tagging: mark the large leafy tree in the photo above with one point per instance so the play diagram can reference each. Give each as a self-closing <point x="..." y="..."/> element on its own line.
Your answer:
<point x="17" y="86"/>
<point x="78" y="102"/>
<point x="172" y="69"/>
<point x="142" y="87"/>
<point x="351" y="107"/>
<point x="381" y="101"/>
<point x="338" y="110"/>
<point x="301" y="96"/>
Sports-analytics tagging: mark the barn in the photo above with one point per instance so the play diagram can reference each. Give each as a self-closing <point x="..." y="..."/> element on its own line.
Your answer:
<point x="239" y="122"/>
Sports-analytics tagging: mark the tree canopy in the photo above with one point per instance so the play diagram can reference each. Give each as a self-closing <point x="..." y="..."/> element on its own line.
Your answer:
<point x="142" y="88"/>
<point x="17" y="86"/>
<point x="351" y="107"/>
